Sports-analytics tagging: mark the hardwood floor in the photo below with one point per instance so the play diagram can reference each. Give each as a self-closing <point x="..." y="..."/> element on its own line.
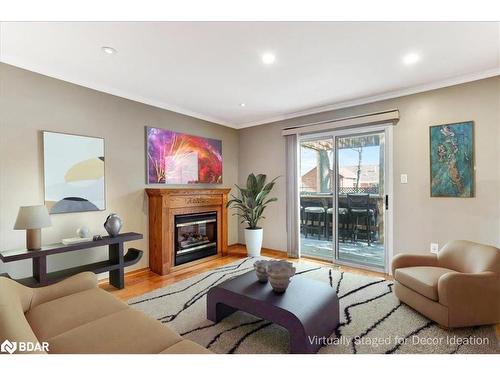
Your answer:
<point x="142" y="281"/>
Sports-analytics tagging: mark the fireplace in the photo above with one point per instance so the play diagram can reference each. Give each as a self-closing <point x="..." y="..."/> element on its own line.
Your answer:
<point x="195" y="237"/>
<point x="186" y="227"/>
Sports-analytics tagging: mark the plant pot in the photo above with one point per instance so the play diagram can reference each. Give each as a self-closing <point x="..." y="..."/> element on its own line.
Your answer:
<point x="253" y="240"/>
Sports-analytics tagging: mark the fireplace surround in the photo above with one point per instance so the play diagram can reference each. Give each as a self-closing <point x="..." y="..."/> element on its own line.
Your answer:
<point x="186" y="227"/>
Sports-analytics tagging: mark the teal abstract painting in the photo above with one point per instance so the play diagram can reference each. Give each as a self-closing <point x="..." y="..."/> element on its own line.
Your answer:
<point x="452" y="160"/>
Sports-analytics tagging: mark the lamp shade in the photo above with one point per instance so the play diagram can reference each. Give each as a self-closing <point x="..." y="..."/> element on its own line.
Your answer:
<point x="32" y="217"/>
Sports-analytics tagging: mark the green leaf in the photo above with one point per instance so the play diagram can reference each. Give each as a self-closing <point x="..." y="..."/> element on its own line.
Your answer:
<point x="253" y="199"/>
<point x="251" y="183"/>
<point x="261" y="180"/>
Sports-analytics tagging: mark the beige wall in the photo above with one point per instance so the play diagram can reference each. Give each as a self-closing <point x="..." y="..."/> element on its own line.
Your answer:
<point x="418" y="219"/>
<point x="31" y="102"/>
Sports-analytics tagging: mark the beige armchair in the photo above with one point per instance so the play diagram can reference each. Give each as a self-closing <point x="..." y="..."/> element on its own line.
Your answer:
<point x="458" y="287"/>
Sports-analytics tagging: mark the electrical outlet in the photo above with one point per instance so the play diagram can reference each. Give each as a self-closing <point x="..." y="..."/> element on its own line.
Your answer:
<point x="404" y="178"/>
<point x="434" y="248"/>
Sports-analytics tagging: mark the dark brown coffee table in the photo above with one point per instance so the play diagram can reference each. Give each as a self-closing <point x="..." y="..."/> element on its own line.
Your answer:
<point x="308" y="309"/>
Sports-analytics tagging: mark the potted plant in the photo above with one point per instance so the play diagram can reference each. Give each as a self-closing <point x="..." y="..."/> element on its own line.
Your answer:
<point x="254" y="199"/>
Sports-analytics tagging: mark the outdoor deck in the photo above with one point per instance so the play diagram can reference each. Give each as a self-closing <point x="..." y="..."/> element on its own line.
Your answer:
<point x="352" y="252"/>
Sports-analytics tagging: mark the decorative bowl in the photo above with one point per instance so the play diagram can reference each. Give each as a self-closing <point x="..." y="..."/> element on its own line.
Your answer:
<point x="279" y="273"/>
<point x="260" y="267"/>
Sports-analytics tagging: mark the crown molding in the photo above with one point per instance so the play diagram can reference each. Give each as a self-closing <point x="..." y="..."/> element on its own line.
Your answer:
<point x="379" y="97"/>
<point x="187" y="112"/>
<point x="120" y="93"/>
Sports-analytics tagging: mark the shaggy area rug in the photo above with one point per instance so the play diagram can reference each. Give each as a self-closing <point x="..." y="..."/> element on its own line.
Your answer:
<point x="372" y="320"/>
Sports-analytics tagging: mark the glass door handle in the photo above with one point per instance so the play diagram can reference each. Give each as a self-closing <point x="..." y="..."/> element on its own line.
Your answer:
<point x="386" y="202"/>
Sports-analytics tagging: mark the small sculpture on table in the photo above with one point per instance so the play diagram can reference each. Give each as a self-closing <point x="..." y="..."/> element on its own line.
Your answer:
<point x="83" y="232"/>
<point x="260" y="267"/>
<point x="113" y="225"/>
<point x="280" y="273"/>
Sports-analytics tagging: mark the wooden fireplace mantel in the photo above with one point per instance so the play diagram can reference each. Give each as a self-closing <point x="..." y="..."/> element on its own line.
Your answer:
<point x="164" y="204"/>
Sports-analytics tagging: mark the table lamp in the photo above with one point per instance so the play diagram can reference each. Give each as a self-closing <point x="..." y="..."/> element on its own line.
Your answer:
<point x="33" y="218"/>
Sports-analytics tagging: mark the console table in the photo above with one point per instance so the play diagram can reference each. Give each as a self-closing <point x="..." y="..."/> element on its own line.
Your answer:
<point x="115" y="264"/>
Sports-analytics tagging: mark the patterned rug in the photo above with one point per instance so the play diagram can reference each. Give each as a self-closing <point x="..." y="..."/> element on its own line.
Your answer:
<point x="372" y="320"/>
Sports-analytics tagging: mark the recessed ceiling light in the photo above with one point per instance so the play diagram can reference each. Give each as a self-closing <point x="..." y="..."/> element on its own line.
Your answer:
<point x="268" y="58"/>
<point x="242" y="105"/>
<point x="108" y="50"/>
<point x="411" y="58"/>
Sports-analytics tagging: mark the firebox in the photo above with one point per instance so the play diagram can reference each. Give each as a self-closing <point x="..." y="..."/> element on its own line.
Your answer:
<point x="195" y="236"/>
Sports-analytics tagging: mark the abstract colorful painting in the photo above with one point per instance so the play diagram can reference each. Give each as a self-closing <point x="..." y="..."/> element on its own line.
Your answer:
<point x="177" y="158"/>
<point x="73" y="173"/>
<point x="452" y="160"/>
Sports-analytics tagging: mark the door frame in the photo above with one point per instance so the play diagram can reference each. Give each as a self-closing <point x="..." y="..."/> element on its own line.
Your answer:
<point x="389" y="186"/>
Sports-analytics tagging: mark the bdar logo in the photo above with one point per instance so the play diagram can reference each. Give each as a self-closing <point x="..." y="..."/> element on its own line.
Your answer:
<point x="8" y="347"/>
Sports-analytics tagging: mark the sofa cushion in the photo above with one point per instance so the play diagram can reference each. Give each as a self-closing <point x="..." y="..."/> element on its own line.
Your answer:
<point x="125" y="332"/>
<point x="423" y="280"/>
<point x="14" y="300"/>
<point x="186" y="347"/>
<point x="62" y="314"/>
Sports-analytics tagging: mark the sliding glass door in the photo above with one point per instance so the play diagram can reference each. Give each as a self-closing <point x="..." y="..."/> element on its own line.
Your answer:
<point x="343" y="197"/>
<point x="316" y="187"/>
<point x="360" y="199"/>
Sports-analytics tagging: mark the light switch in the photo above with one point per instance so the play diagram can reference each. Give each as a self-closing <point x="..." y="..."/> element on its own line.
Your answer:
<point x="404" y="178"/>
<point x="434" y="248"/>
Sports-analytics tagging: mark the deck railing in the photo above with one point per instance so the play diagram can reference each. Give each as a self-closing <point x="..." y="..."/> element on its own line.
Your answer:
<point x="359" y="190"/>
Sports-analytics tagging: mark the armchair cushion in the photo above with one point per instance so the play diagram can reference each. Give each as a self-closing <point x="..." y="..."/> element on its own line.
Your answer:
<point x="423" y="280"/>
<point x="413" y="260"/>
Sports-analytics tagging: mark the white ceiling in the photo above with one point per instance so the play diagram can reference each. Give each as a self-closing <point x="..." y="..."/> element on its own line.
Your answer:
<point x="206" y="69"/>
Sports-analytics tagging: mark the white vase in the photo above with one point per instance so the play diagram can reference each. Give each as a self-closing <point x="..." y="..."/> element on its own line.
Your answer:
<point x="253" y="240"/>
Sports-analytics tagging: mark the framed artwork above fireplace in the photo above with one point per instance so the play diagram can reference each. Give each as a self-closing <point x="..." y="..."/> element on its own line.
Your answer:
<point x="178" y="158"/>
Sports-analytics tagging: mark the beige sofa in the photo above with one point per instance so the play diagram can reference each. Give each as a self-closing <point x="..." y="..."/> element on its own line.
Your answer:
<point x="75" y="316"/>
<point x="458" y="287"/>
